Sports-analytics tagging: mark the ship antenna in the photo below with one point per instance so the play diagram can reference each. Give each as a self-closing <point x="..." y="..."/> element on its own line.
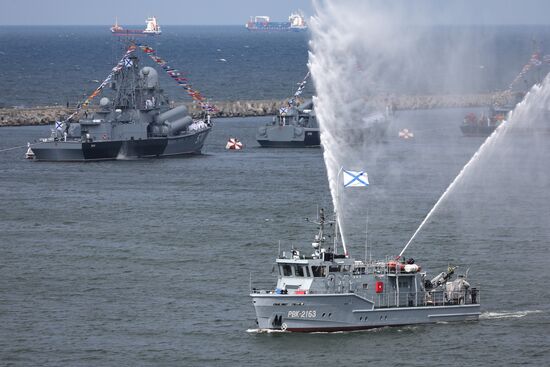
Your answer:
<point x="366" y="233"/>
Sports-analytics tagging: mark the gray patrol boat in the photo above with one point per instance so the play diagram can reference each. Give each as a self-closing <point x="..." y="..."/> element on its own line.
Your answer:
<point x="327" y="291"/>
<point x="136" y="123"/>
<point x="297" y="126"/>
<point x="293" y="127"/>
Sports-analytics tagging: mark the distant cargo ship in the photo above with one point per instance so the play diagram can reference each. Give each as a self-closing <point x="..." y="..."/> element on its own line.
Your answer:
<point x="152" y="28"/>
<point x="296" y="22"/>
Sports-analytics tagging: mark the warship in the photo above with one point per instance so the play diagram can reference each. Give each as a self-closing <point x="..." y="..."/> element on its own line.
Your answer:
<point x="137" y="122"/>
<point x="329" y="291"/>
<point x="294" y="126"/>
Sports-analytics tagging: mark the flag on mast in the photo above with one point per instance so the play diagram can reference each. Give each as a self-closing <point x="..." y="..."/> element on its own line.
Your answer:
<point x="355" y="178"/>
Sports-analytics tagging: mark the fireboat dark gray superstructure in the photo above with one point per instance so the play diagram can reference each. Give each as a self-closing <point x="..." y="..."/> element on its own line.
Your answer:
<point x="327" y="291"/>
<point x="136" y="123"/>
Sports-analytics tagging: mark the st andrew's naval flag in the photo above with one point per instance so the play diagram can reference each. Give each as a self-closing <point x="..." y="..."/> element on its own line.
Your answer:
<point x="355" y="178"/>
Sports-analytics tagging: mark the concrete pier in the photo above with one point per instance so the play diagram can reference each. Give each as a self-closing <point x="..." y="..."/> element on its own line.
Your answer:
<point x="48" y="114"/>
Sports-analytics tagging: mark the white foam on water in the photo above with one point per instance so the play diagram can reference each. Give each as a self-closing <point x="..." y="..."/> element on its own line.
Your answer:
<point x="507" y="314"/>
<point x="265" y="331"/>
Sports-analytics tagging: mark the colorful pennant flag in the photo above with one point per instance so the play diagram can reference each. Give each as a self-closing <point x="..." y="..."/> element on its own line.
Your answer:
<point x="178" y="78"/>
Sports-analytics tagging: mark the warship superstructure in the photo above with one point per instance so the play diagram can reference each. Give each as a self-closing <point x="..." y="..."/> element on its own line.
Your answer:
<point x="294" y="126"/>
<point x="329" y="291"/>
<point x="136" y="122"/>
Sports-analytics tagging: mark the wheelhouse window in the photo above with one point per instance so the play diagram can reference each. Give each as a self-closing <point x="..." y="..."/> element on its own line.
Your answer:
<point x="286" y="269"/>
<point x="318" y="271"/>
<point x="299" y="271"/>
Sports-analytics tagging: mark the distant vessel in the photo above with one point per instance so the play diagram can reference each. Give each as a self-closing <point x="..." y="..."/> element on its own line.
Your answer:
<point x="116" y="28"/>
<point x="328" y="291"/>
<point x="296" y="22"/>
<point x="484" y="125"/>
<point x="152" y="28"/>
<point x="137" y="122"/>
<point x="297" y="126"/>
<point x="294" y="126"/>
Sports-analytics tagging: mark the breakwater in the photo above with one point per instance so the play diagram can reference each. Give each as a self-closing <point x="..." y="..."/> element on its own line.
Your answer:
<point x="48" y="114"/>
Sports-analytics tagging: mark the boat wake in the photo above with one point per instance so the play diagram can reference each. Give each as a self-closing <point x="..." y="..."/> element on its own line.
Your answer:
<point x="507" y="314"/>
<point x="265" y="331"/>
<point x="400" y="329"/>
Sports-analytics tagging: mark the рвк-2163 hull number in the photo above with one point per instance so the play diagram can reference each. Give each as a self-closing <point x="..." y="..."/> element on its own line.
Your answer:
<point x="306" y="314"/>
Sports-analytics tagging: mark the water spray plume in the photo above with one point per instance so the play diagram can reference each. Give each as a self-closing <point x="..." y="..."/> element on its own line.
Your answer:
<point x="353" y="58"/>
<point x="526" y="117"/>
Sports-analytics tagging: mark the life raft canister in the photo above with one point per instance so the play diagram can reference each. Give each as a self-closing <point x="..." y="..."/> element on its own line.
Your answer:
<point x="379" y="287"/>
<point x="394" y="265"/>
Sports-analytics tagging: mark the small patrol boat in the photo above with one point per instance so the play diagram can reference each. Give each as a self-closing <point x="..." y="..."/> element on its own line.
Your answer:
<point x="329" y="291"/>
<point x="293" y="127"/>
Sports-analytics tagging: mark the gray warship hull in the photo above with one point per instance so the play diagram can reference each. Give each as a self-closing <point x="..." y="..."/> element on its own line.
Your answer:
<point x="288" y="136"/>
<point x="348" y="312"/>
<point x="151" y="147"/>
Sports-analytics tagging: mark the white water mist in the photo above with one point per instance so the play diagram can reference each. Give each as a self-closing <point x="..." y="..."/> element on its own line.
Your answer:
<point x="358" y="52"/>
<point x="527" y="121"/>
<point x="365" y="49"/>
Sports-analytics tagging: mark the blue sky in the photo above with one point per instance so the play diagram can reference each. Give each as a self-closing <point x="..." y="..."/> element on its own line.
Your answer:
<point x="228" y="12"/>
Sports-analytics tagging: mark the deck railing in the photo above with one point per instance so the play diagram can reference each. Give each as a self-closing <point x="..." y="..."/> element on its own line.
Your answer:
<point x="437" y="297"/>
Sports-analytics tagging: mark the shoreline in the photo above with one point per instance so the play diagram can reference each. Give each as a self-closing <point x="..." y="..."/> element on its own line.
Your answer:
<point x="46" y="115"/>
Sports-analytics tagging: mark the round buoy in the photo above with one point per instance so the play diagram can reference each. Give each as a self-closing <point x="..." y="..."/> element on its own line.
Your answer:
<point x="234" y="144"/>
<point x="406" y="134"/>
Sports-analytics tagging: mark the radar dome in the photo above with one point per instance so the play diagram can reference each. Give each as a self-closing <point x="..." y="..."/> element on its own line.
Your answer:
<point x="150" y="77"/>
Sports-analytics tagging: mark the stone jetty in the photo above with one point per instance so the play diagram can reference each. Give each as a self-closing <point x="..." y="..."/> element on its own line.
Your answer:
<point x="48" y="114"/>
